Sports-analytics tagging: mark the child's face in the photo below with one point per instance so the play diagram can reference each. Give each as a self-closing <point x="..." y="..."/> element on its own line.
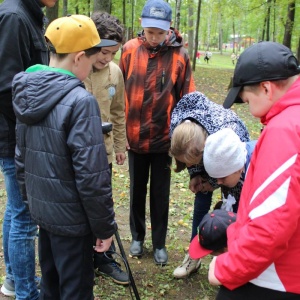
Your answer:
<point x="258" y="97"/>
<point x="83" y="65"/>
<point x="105" y="56"/>
<point x="187" y="162"/>
<point x="155" y="36"/>
<point x="230" y="180"/>
<point x="48" y="3"/>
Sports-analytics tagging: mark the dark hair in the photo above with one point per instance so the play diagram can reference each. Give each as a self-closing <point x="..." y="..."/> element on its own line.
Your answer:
<point x="108" y="26"/>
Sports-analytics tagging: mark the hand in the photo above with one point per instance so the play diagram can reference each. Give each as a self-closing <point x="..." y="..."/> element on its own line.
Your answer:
<point x="198" y="184"/>
<point x="211" y="273"/>
<point x="127" y="145"/>
<point x="102" y="245"/>
<point x="120" y="158"/>
<point x="195" y="184"/>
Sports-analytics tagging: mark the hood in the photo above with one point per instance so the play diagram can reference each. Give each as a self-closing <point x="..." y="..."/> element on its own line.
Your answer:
<point x="36" y="93"/>
<point x="290" y="98"/>
<point x="210" y="115"/>
<point x="173" y="39"/>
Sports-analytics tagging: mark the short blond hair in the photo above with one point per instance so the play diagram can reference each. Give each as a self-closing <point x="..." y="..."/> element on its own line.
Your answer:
<point x="188" y="140"/>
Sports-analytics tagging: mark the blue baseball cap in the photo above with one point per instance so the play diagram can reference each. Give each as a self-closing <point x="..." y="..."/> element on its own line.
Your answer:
<point x="157" y="14"/>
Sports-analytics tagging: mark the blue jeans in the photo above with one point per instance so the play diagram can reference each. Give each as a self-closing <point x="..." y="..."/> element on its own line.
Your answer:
<point x="19" y="232"/>
<point x="201" y="207"/>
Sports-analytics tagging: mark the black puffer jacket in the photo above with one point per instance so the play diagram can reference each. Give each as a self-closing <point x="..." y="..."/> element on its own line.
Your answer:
<point x="22" y="44"/>
<point x="60" y="154"/>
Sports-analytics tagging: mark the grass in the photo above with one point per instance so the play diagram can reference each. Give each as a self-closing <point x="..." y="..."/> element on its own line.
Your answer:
<point x="217" y="60"/>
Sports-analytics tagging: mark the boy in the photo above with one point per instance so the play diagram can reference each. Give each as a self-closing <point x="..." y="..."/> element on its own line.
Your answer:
<point x="106" y="83"/>
<point x="226" y="158"/>
<point x="22" y="44"/>
<point x="61" y="159"/>
<point x="263" y="258"/>
<point x="212" y="237"/>
<point x="157" y="73"/>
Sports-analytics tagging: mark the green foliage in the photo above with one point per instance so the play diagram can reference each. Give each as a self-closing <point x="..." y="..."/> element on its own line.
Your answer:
<point x="216" y="16"/>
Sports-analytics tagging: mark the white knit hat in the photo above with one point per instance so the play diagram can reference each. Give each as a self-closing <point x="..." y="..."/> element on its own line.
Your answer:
<point x="224" y="153"/>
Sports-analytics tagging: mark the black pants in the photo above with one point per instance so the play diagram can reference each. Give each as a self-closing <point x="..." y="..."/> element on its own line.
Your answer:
<point x="67" y="267"/>
<point x="159" y="167"/>
<point x="250" y="291"/>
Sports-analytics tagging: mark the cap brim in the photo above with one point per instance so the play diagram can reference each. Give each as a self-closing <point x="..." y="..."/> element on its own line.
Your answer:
<point x="106" y="43"/>
<point x="155" y="23"/>
<point x="233" y="97"/>
<point x="196" y="251"/>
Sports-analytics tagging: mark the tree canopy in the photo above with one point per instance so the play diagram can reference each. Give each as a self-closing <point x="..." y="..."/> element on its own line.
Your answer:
<point x="224" y="25"/>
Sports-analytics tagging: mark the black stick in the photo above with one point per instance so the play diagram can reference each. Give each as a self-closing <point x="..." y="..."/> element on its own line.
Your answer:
<point x="137" y="296"/>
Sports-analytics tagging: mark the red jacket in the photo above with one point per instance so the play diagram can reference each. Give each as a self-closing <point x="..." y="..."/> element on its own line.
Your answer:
<point x="154" y="83"/>
<point x="264" y="243"/>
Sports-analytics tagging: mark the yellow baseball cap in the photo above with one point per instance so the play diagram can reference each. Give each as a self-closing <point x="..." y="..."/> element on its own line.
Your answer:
<point x="75" y="33"/>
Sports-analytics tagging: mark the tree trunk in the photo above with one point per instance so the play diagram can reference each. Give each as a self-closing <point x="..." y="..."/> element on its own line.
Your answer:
<point x="65" y="7"/>
<point x="268" y="18"/>
<point x="52" y="13"/>
<point x="233" y="33"/>
<point x="220" y="34"/>
<point x="132" y="18"/>
<point x="177" y="15"/>
<point x="124" y="13"/>
<point x="191" y="41"/>
<point x="298" y="51"/>
<point x="197" y="34"/>
<point x="274" y="21"/>
<point x="209" y="30"/>
<point x="263" y="35"/>
<point x="289" y="24"/>
<point x="102" y="5"/>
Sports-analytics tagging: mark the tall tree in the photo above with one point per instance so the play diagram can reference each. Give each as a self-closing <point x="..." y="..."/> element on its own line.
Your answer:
<point x="102" y="5"/>
<point x="124" y="12"/>
<point x="234" y="36"/>
<point x="298" y="49"/>
<point x="197" y="34"/>
<point x="288" y="28"/>
<point x="268" y="20"/>
<point x="52" y="13"/>
<point x="192" y="46"/>
<point x="177" y="14"/>
<point x="65" y="7"/>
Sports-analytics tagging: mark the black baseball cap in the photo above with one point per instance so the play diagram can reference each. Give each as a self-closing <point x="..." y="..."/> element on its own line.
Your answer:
<point x="212" y="233"/>
<point x="264" y="61"/>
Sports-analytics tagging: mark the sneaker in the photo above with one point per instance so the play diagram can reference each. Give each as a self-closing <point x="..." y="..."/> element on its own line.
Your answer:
<point x="8" y="288"/>
<point x="113" y="270"/>
<point x="187" y="267"/>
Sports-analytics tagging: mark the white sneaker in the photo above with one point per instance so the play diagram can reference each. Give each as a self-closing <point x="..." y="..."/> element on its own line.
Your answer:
<point x="187" y="267"/>
<point x="8" y="288"/>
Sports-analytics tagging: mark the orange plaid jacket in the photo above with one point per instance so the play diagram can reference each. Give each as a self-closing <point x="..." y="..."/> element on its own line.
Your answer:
<point x="154" y="82"/>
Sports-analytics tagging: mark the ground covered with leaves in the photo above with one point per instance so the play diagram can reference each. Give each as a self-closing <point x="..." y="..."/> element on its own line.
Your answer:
<point x="156" y="282"/>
